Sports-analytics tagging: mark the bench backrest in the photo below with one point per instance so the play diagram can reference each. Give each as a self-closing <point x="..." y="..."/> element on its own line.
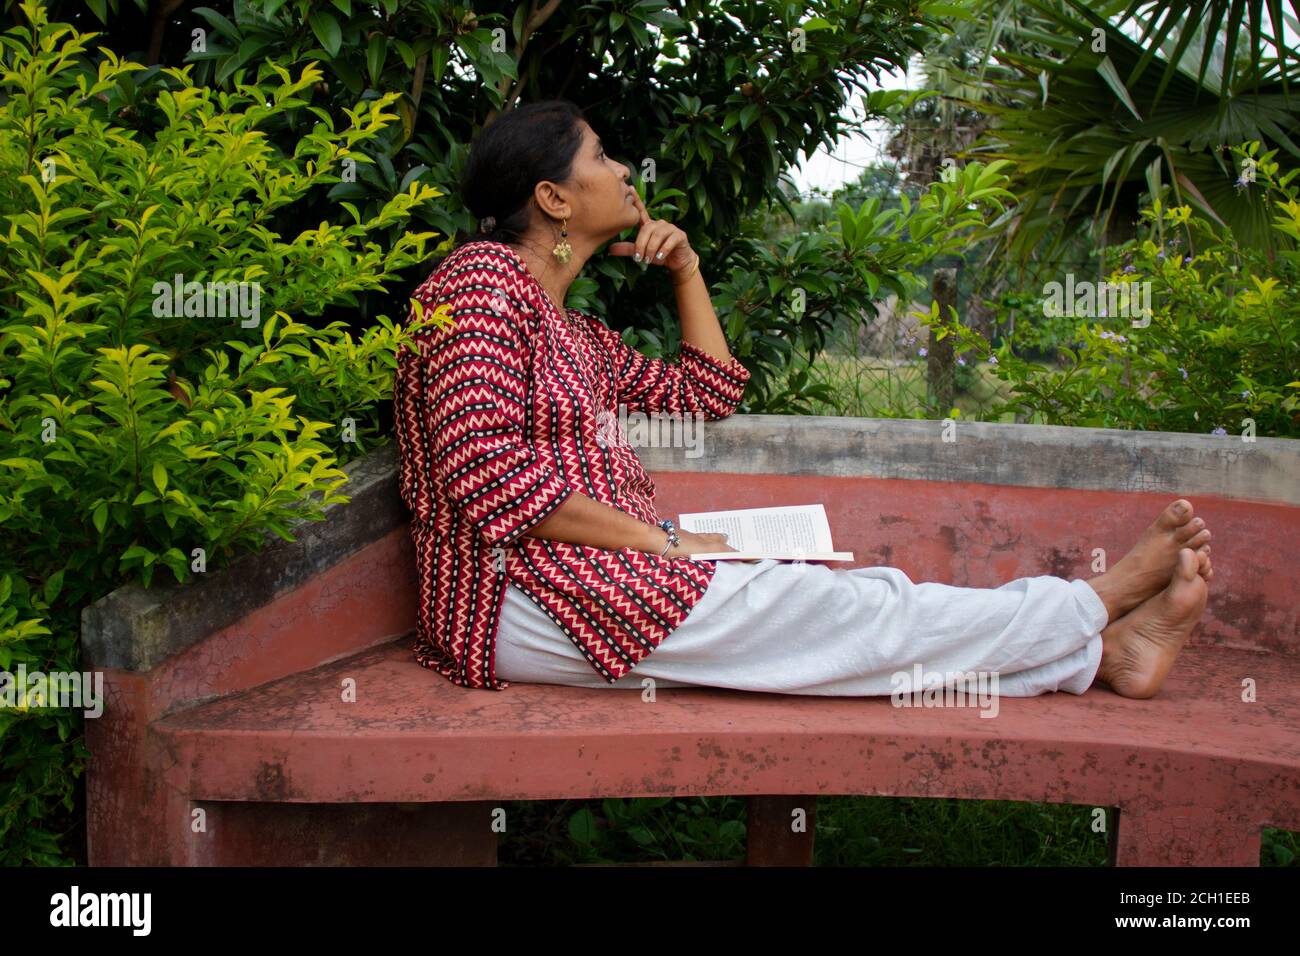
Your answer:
<point x="976" y="504"/>
<point x="972" y="504"/>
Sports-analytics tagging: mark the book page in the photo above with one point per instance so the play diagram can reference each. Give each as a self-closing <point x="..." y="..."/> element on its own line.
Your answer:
<point x="766" y="529"/>
<point x="791" y="532"/>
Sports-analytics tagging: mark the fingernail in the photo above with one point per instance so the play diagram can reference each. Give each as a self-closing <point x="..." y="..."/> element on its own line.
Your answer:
<point x="636" y="257"/>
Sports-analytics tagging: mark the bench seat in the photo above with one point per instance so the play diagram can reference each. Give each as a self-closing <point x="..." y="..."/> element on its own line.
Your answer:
<point x="410" y="738"/>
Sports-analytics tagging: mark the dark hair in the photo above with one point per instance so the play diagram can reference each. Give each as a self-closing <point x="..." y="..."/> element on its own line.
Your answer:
<point x="511" y="155"/>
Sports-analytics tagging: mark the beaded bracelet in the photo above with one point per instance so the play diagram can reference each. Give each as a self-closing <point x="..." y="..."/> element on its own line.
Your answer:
<point x="673" y="539"/>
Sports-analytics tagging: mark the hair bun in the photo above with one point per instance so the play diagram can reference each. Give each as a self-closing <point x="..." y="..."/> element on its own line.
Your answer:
<point x="487" y="224"/>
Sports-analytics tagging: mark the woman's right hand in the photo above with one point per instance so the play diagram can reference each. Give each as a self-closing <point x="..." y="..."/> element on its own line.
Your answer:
<point x="693" y="543"/>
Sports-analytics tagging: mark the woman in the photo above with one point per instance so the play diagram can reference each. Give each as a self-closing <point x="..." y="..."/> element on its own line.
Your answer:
<point x="541" y="557"/>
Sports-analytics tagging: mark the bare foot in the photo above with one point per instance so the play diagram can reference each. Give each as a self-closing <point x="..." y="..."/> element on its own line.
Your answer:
<point x="1204" y="568"/>
<point x="1145" y="570"/>
<point x="1139" y="649"/>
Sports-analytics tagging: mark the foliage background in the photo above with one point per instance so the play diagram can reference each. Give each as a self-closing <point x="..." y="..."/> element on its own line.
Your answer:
<point x="132" y="442"/>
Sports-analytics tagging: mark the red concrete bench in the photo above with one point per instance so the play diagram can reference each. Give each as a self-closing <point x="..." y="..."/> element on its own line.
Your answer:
<point x="273" y="713"/>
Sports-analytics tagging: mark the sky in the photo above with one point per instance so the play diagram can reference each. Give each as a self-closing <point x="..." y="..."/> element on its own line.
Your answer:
<point x="831" y="167"/>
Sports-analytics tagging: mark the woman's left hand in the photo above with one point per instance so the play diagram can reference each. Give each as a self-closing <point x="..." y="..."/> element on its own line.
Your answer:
<point x="658" y="242"/>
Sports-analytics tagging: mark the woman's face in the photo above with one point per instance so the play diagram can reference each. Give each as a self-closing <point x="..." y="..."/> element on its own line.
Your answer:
<point x="600" y="196"/>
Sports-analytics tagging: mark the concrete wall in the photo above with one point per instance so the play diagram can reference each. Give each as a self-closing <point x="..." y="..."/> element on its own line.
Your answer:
<point x="1037" y="456"/>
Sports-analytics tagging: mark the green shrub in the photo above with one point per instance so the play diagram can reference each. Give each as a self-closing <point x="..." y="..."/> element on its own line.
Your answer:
<point x="138" y="433"/>
<point x="747" y="91"/>
<point x="1221" y="352"/>
<point x="779" y="300"/>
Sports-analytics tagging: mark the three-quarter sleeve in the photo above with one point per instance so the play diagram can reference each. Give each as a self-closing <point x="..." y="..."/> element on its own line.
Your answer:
<point x="696" y="383"/>
<point x="467" y="392"/>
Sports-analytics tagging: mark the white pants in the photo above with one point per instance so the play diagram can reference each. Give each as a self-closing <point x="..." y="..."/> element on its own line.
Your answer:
<point x="790" y="628"/>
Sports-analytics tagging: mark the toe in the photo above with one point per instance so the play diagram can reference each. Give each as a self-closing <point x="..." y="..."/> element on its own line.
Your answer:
<point x="1199" y="539"/>
<point x="1177" y="513"/>
<point x="1193" y="527"/>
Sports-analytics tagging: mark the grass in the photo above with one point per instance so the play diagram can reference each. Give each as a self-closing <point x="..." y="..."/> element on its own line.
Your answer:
<point x="880" y="373"/>
<point x="870" y="387"/>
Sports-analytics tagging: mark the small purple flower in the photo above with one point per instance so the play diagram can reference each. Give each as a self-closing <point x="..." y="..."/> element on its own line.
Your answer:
<point x="1130" y="268"/>
<point x="1120" y="338"/>
<point x="1219" y="431"/>
<point x="923" y="352"/>
<point x="1105" y="335"/>
<point x="1187" y="260"/>
<point x="1160" y="254"/>
<point x="1246" y="393"/>
<point x="993" y="360"/>
<point x="1183" y="370"/>
<point x="961" y="361"/>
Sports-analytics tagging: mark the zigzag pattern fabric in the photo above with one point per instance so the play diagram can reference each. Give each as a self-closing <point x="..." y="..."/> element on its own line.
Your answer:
<point x="498" y="420"/>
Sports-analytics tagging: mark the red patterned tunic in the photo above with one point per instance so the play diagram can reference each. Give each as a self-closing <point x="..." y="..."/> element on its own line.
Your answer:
<point x="499" y="419"/>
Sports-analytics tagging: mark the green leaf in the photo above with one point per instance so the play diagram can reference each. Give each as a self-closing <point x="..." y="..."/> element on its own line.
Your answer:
<point x="100" y="516"/>
<point x="376" y="54"/>
<point x="327" y="31"/>
<point x="159" y="476"/>
<point x="1108" y="73"/>
<point x="53" y="585"/>
<point x="351" y="77"/>
<point x="582" y="827"/>
<point x="407" y="53"/>
<point x="220" y="23"/>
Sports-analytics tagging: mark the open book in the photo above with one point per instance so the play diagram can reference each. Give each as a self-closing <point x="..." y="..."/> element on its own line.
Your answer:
<point x="791" y="533"/>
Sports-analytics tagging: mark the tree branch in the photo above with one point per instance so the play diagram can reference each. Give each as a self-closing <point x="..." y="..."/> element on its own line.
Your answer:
<point x="537" y="16"/>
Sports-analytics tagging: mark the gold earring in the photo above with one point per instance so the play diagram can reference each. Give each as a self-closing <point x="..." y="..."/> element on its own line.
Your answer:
<point x="563" y="250"/>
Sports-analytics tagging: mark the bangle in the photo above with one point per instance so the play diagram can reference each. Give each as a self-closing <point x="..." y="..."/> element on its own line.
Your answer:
<point x="673" y="539"/>
<point x="694" y="267"/>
